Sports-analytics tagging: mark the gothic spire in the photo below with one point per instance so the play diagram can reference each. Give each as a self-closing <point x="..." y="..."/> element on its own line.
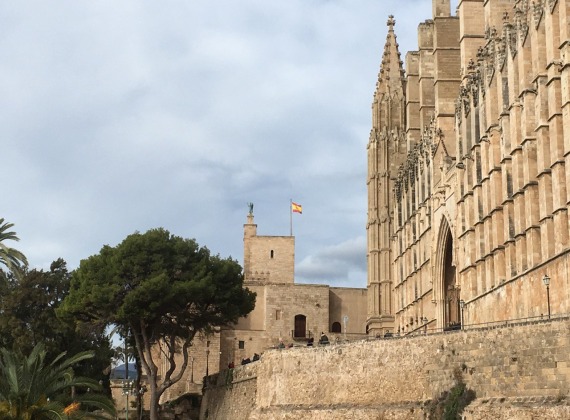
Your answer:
<point x="390" y="85"/>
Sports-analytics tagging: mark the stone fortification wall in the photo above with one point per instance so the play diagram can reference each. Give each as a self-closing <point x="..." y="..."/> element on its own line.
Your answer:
<point x="230" y="394"/>
<point x="516" y="372"/>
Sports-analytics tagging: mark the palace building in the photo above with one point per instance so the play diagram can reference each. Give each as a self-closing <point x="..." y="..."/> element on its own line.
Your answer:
<point x="469" y="167"/>
<point x="286" y="313"/>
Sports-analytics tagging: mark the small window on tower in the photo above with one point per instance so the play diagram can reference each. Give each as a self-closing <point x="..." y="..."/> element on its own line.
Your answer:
<point x="277" y="314"/>
<point x="271" y="253"/>
<point x="241" y="345"/>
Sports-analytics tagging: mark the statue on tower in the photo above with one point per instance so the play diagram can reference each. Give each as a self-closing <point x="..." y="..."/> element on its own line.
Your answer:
<point x="250" y="206"/>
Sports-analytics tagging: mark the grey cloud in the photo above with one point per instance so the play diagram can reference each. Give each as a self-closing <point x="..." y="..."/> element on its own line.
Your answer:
<point x="123" y="116"/>
<point x="336" y="263"/>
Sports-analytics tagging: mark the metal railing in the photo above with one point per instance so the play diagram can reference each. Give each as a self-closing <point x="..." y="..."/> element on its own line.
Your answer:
<point x="307" y="335"/>
<point x="425" y="329"/>
<point x="505" y="323"/>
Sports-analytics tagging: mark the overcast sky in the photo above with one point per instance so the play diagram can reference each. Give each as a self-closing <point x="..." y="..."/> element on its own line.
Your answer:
<point x="121" y="116"/>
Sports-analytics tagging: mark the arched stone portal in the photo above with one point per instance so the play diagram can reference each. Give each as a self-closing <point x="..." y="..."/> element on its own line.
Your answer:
<point x="451" y="290"/>
<point x="447" y="291"/>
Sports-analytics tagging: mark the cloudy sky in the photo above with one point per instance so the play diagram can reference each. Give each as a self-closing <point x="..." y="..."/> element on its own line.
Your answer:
<point x="121" y="116"/>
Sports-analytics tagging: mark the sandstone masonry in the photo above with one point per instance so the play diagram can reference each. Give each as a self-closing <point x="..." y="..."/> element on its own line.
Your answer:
<point x="517" y="372"/>
<point x="468" y="168"/>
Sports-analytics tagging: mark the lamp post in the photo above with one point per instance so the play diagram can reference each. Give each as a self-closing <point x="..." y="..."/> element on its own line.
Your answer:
<point x="192" y="369"/>
<point x="127" y="390"/>
<point x="462" y="306"/>
<point x="207" y="356"/>
<point x="546" y="281"/>
<point x="140" y="395"/>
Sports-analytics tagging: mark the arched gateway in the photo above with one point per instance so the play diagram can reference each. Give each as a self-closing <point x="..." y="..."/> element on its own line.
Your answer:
<point x="447" y="291"/>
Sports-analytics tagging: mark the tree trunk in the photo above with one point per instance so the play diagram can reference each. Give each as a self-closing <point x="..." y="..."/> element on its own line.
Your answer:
<point x="140" y="408"/>
<point x="154" y="400"/>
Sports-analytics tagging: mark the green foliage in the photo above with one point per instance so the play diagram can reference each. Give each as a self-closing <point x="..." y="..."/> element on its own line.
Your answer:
<point x="28" y="305"/>
<point x="31" y="388"/>
<point x="451" y="404"/>
<point x="164" y="290"/>
<point x="169" y="282"/>
<point x="11" y="258"/>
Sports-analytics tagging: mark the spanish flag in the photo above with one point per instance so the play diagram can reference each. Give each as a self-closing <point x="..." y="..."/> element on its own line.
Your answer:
<point x="296" y="208"/>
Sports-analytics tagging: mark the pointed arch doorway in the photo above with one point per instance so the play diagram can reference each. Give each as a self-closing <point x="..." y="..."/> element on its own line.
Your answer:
<point x="449" y="292"/>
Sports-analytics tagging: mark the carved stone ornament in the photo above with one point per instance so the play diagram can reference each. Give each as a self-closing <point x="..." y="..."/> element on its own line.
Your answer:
<point x="376" y="134"/>
<point x="490" y="61"/>
<point x="538" y="11"/>
<point x="458" y="113"/>
<point x="417" y="161"/>
<point x="465" y="100"/>
<point x="398" y="188"/>
<point x="474" y="85"/>
<point x="521" y="20"/>
<point x="511" y="36"/>
<point x="501" y="52"/>
<point x="481" y="53"/>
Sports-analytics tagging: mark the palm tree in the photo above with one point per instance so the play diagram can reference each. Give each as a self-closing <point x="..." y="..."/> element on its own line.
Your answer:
<point x="11" y="258"/>
<point x="31" y="389"/>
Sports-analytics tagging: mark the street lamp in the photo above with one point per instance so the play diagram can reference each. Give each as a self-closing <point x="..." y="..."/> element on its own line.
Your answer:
<point x="192" y="369"/>
<point x="207" y="355"/>
<point x="546" y="281"/>
<point x="462" y="306"/>
<point x="127" y="390"/>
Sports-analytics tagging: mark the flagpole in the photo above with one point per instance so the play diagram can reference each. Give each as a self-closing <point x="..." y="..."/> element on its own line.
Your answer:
<point x="291" y="217"/>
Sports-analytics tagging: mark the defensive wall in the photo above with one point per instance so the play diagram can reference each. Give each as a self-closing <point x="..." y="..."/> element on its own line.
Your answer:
<point x="517" y="372"/>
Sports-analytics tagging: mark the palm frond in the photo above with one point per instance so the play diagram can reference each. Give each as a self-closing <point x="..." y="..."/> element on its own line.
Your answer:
<point x="32" y="389"/>
<point x="11" y="258"/>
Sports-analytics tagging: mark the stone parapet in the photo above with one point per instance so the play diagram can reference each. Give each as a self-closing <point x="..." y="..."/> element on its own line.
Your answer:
<point x="516" y="372"/>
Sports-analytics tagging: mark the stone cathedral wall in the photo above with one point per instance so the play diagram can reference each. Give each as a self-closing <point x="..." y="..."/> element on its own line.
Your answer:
<point x="517" y="372"/>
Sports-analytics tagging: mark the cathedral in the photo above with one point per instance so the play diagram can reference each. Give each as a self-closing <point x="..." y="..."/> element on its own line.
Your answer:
<point x="468" y="167"/>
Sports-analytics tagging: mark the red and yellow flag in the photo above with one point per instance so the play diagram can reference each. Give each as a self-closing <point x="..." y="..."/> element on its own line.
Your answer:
<point x="296" y="208"/>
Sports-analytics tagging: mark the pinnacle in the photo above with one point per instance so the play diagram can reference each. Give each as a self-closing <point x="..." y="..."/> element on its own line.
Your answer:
<point x="391" y="65"/>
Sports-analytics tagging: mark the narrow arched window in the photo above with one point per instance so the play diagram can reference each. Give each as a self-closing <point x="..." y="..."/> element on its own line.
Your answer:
<point x="271" y="253"/>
